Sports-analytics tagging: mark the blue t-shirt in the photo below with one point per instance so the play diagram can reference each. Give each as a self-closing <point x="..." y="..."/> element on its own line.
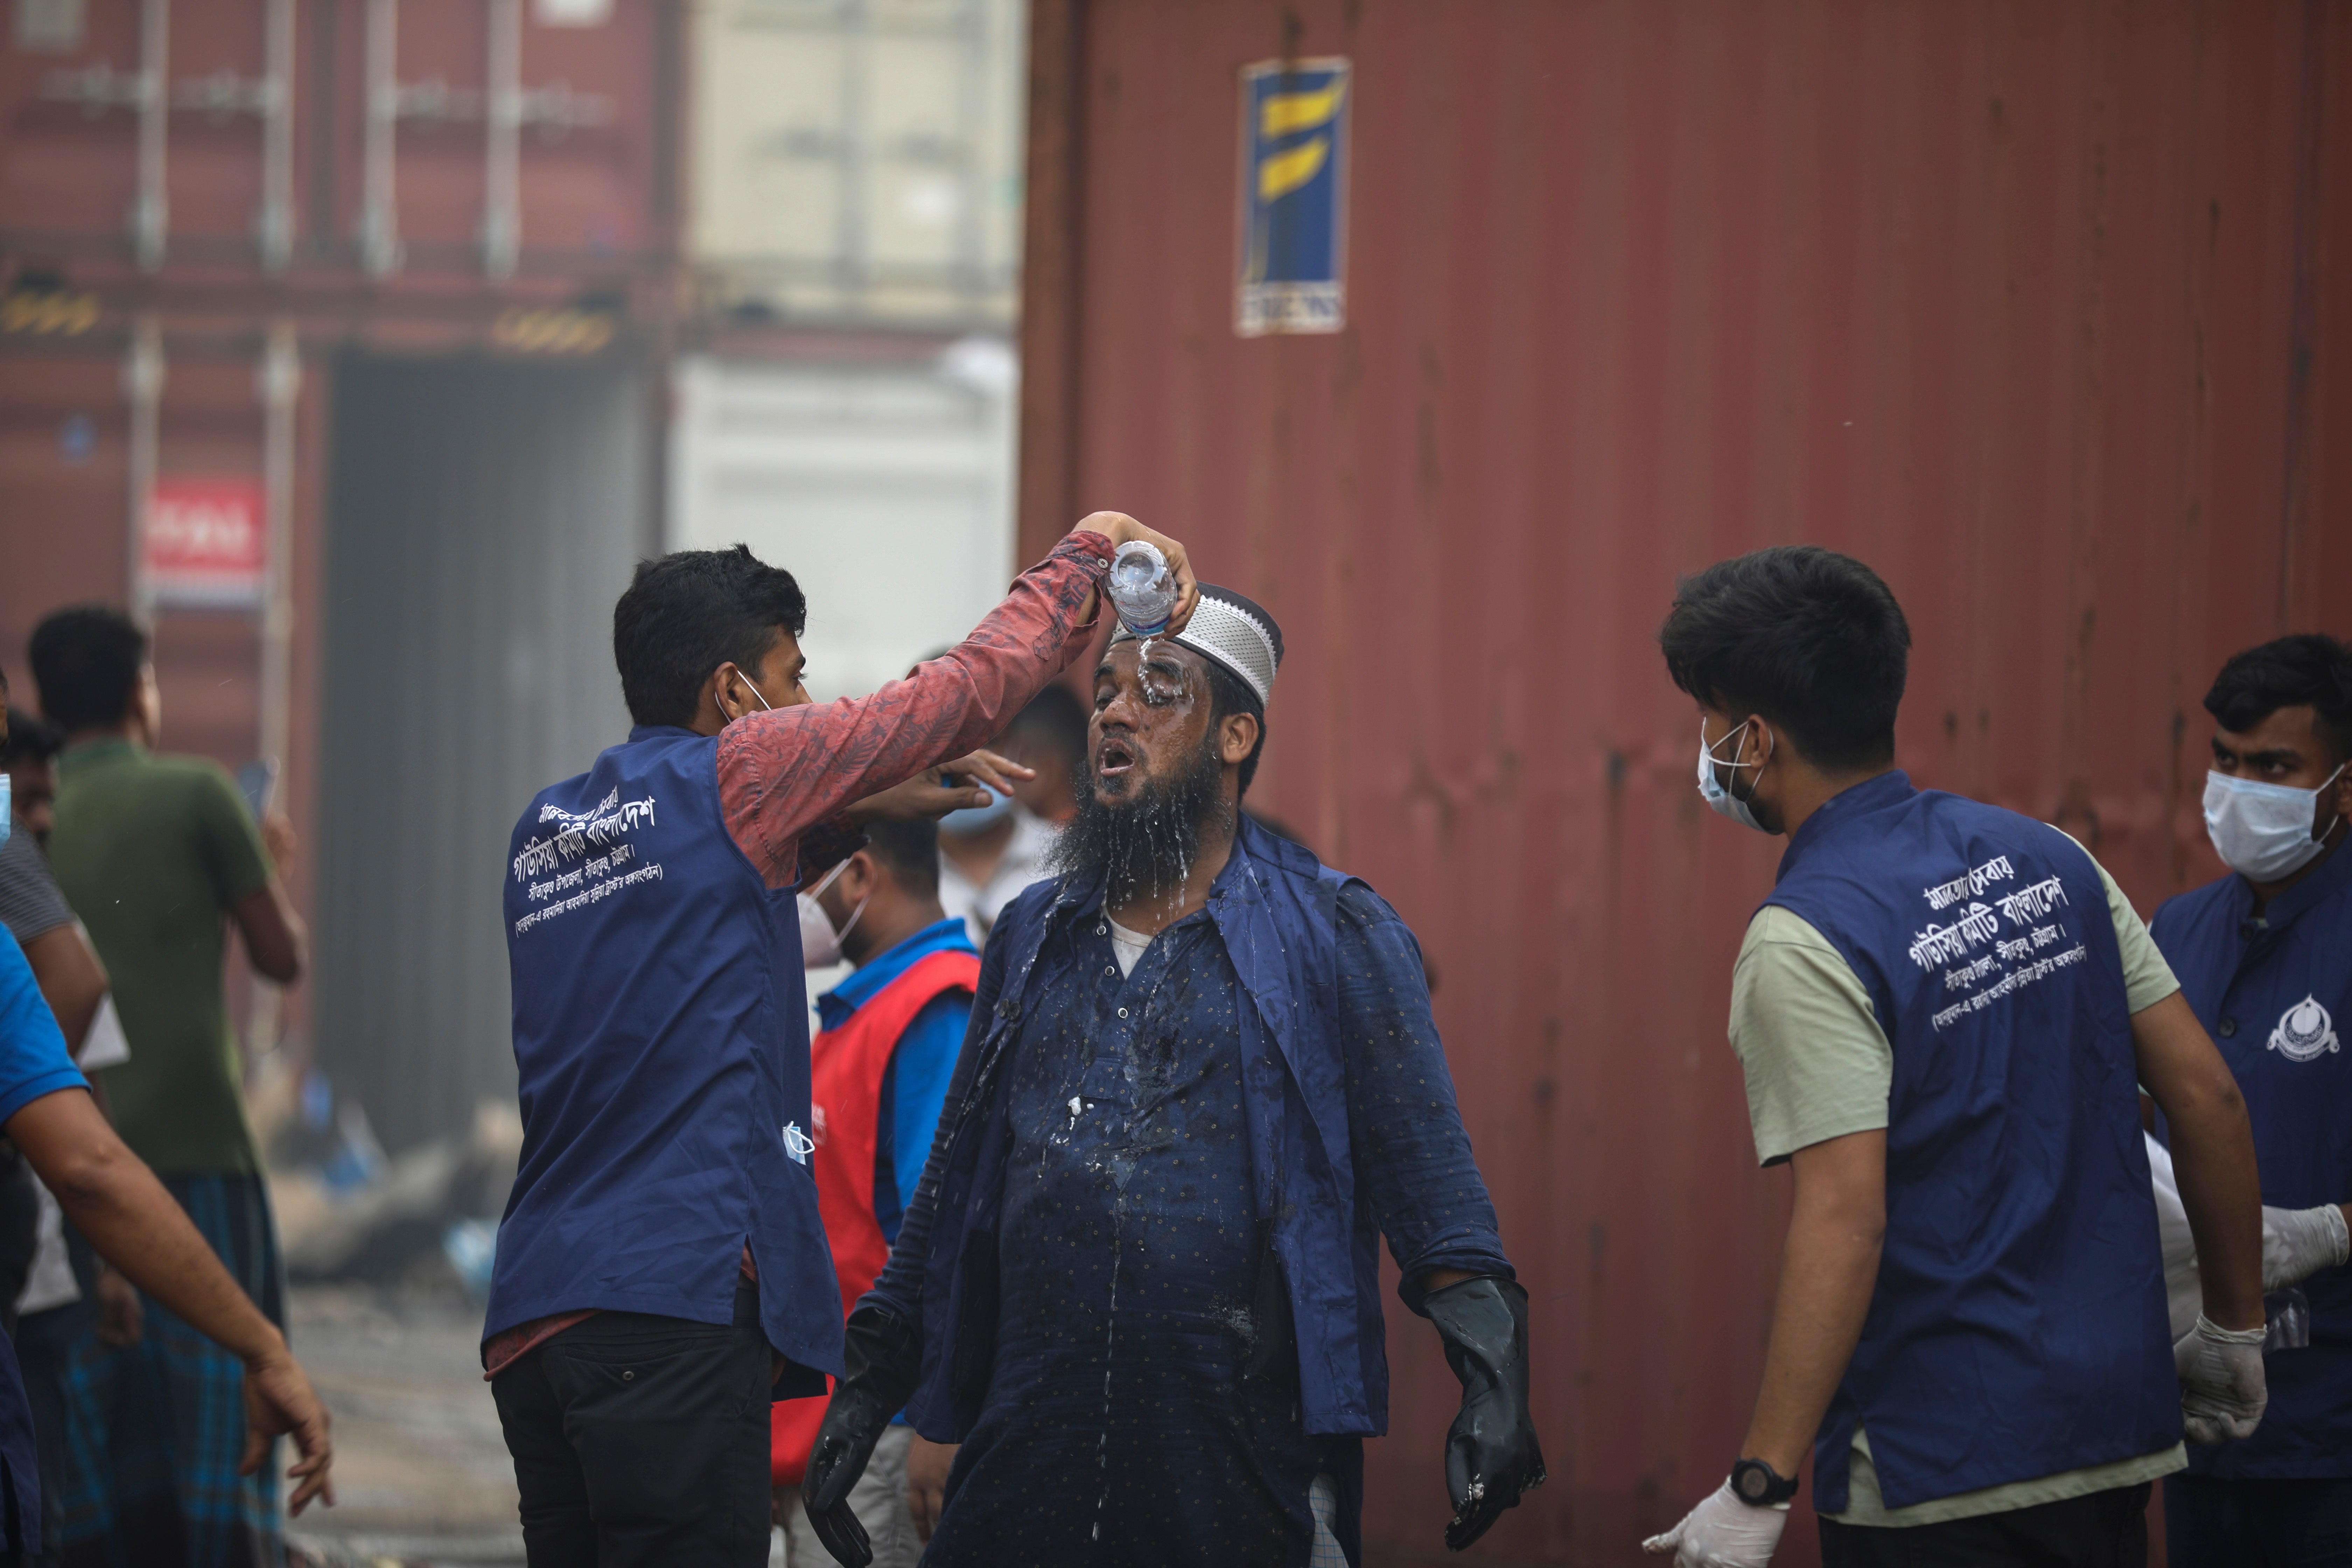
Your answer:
<point x="33" y="1062"/>
<point x="915" y="1084"/>
<point x="33" y="1056"/>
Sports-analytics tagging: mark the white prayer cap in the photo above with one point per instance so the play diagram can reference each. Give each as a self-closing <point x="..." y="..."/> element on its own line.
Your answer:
<point x="1234" y="633"/>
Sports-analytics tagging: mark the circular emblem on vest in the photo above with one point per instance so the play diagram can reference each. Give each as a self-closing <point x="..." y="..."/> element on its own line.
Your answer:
<point x="2304" y="1032"/>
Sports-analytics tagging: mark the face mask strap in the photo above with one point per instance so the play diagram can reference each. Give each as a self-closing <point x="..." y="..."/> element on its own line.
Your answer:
<point x="826" y="882"/>
<point x="1772" y="743"/>
<point x="827" y="879"/>
<point x="756" y="692"/>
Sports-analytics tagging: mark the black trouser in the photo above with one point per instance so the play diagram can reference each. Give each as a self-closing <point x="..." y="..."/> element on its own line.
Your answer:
<point x="2105" y="1530"/>
<point x="639" y="1440"/>
<point x="2258" y="1524"/>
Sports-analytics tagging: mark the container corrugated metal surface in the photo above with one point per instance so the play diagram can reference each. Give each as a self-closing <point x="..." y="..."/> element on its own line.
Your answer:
<point x="2043" y="310"/>
<point x="857" y="162"/>
<point x="361" y="150"/>
<point x="487" y="517"/>
<point x="488" y="185"/>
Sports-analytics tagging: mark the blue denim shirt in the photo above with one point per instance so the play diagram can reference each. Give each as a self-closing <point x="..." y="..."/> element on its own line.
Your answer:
<point x="1353" y="1130"/>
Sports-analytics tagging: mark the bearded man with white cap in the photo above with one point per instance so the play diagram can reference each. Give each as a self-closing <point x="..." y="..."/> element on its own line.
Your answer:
<point x="1139" y="1282"/>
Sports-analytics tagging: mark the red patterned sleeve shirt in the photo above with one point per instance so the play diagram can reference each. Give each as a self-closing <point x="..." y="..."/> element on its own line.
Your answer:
<point x="786" y="770"/>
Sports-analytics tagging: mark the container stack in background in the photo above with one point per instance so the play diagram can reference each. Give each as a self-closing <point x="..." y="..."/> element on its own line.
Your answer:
<point x="366" y="344"/>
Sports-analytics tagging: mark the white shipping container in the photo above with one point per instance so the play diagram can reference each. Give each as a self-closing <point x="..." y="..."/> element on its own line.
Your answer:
<point x="885" y="490"/>
<point x="858" y="160"/>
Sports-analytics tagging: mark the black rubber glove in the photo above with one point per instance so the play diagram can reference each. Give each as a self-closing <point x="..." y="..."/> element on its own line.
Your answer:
<point x="1491" y="1455"/>
<point x="884" y="1360"/>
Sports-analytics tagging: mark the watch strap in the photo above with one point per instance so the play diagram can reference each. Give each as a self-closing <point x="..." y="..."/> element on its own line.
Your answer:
<point x="1757" y="1483"/>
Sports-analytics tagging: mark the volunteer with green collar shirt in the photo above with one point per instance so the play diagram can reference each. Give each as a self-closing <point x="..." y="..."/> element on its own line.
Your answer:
<point x="2264" y="956"/>
<point x="1943" y="1011"/>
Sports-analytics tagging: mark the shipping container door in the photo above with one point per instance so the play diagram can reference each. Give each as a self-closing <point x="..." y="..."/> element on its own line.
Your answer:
<point x="483" y="517"/>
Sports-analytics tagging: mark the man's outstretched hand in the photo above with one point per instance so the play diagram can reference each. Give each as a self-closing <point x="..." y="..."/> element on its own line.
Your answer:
<point x="930" y="793"/>
<point x="1491" y="1455"/>
<point x="1120" y="528"/>
<point x="278" y="1399"/>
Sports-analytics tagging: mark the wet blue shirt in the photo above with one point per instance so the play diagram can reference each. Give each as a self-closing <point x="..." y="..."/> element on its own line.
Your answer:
<point x="2276" y="992"/>
<point x="1125" y="1419"/>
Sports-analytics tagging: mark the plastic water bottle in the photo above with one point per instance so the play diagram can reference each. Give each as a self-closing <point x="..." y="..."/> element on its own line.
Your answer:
<point x="1143" y="589"/>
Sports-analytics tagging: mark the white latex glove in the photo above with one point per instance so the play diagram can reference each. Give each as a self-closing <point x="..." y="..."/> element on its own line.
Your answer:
<point x="2299" y="1243"/>
<point x="1723" y="1531"/>
<point x="2221" y="1388"/>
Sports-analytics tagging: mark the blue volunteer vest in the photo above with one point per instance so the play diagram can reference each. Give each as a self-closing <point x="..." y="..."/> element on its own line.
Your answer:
<point x="2277" y="999"/>
<point x="661" y="1038"/>
<point x="1276" y="911"/>
<point x="2018" y="1328"/>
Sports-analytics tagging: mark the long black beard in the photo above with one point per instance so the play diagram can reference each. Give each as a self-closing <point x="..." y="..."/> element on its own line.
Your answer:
<point x="1146" y="844"/>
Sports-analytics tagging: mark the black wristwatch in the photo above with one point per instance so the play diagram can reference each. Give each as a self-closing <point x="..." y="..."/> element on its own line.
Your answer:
<point x="1756" y="1483"/>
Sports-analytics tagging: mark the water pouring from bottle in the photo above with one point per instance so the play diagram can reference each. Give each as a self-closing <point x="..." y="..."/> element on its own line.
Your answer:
<point x="1141" y="588"/>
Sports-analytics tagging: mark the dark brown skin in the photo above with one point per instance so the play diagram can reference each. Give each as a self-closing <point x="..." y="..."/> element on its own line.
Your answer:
<point x="74" y="984"/>
<point x="928" y="1464"/>
<point x="138" y="1226"/>
<point x="1829" y="1264"/>
<point x="33" y="792"/>
<point x="779" y="681"/>
<point x="1137" y="737"/>
<point x="893" y="912"/>
<point x="2287" y="748"/>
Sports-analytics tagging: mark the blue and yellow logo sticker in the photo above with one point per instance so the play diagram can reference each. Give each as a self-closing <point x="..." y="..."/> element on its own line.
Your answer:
<point x="1294" y="197"/>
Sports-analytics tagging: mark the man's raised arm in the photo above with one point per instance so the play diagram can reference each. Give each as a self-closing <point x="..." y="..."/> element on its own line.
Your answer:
<point x="783" y="771"/>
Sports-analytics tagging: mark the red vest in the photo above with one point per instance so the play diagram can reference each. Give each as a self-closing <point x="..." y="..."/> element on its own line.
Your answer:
<point x="845" y="1068"/>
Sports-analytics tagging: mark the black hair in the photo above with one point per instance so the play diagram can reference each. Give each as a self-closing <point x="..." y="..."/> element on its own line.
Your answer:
<point x="1058" y="719"/>
<point x="30" y="739"/>
<point x="86" y="661"/>
<point x="687" y="614"/>
<point x="910" y="851"/>
<point x="1229" y="694"/>
<point x="1811" y="639"/>
<point x="2309" y="668"/>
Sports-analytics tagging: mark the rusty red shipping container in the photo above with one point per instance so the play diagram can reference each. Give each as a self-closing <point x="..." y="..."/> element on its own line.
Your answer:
<point x="212" y="214"/>
<point x="2043" y="310"/>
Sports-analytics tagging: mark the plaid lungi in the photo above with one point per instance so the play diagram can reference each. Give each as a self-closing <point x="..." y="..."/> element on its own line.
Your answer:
<point x="154" y="1432"/>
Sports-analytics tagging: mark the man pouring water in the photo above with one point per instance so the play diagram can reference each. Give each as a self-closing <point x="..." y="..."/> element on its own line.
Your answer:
<point x="662" y="1263"/>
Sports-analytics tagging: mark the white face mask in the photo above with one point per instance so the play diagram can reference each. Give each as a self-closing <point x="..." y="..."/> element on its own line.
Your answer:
<point x="1710" y="789"/>
<point x="2262" y="831"/>
<point x="820" y="943"/>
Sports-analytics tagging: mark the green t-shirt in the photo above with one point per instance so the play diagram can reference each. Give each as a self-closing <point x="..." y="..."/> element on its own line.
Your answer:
<point x="152" y="852"/>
